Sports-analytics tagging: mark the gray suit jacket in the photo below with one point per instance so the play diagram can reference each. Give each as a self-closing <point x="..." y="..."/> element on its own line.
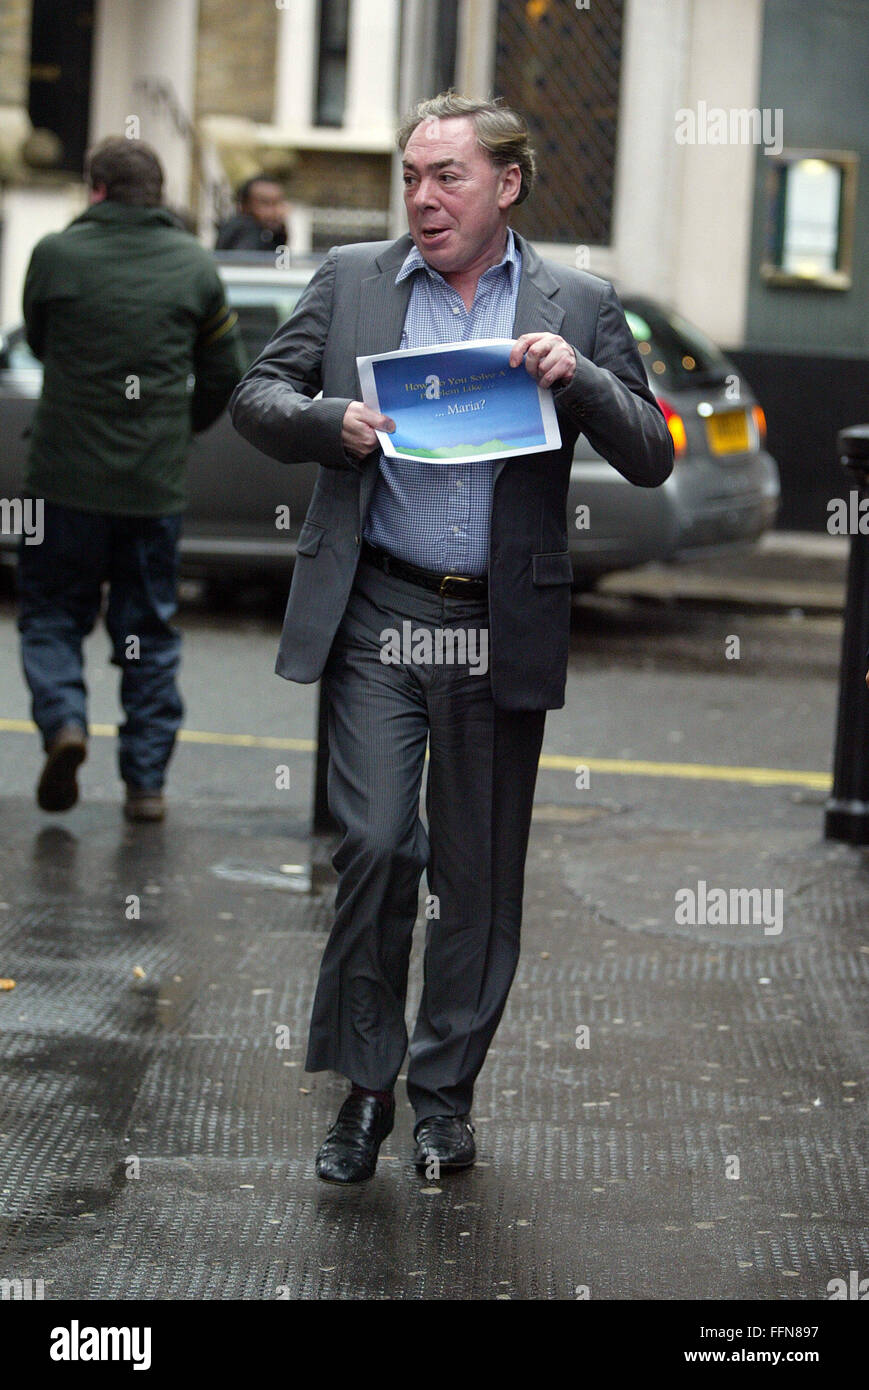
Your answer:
<point x="353" y="307"/>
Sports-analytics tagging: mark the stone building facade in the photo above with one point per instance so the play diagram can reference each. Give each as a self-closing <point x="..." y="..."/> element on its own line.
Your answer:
<point x="311" y="90"/>
<point x="236" y="59"/>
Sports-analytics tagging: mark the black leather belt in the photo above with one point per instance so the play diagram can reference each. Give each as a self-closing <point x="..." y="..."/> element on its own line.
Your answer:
<point x="453" y="585"/>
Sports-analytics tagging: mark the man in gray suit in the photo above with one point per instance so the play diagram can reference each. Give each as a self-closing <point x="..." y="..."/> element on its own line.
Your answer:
<point x="470" y="557"/>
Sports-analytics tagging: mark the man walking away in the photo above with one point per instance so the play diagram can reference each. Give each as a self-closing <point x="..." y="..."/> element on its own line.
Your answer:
<point x="123" y="308"/>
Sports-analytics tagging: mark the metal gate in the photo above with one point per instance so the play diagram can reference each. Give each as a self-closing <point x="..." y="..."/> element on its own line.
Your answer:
<point x="558" y="62"/>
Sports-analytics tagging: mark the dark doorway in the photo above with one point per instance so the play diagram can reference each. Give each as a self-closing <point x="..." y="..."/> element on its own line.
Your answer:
<point x="61" y="40"/>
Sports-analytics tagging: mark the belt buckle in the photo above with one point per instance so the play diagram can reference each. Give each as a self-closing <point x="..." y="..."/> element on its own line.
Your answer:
<point x="457" y="579"/>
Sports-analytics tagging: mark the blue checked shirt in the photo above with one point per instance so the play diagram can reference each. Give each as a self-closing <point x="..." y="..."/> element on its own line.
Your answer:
<point x="437" y="515"/>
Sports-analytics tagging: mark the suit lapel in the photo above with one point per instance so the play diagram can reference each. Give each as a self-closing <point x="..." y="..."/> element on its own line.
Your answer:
<point x="536" y="311"/>
<point x="382" y="309"/>
<point x="383" y="304"/>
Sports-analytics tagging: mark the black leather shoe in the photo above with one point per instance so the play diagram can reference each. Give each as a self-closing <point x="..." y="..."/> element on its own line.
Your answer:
<point x="349" y="1152"/>
<point x="449" y="1139"/>
<point x="58" y="788"/>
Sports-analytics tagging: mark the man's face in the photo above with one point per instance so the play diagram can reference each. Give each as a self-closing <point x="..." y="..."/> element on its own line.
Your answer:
<point x="265" y="202"/>
<point x="457" y="200"/>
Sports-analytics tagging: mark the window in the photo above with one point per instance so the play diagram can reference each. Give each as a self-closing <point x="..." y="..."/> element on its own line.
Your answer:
<point x="445" y="43"/>
<point x="15" y="355"/>
<point x="60" y="75"/>
<point x="332" y="62"/>
<point x="261" y="310"/>
<point x="674" y="352"/>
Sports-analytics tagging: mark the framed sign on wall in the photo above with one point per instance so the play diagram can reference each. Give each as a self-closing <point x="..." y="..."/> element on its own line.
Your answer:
<point x="810" y="219"/>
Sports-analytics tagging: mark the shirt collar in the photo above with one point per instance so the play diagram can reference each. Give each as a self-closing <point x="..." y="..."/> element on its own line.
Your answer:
<point x="414" y="260"/>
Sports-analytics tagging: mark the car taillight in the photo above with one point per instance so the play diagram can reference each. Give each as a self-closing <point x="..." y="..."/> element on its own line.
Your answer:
<point x="760" y="425"/>
<point x="676" y="426"/>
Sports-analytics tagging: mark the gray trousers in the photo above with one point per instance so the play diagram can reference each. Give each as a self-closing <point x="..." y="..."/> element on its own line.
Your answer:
<point x="482" y="771"/>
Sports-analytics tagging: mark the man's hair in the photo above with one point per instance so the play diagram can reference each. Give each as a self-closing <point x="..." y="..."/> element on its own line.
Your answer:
<point x="242" y="193"/>
<point x="130" y="169"/>
<point x="500" y="131"/>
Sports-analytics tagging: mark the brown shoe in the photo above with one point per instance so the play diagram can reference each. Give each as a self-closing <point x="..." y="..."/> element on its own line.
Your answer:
<point x="143" y="805"/>
<point x="58" y="789"/>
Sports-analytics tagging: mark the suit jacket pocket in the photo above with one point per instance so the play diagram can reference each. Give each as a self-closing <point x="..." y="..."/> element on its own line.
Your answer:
<point x="309" y="538"/>
<point x="553" y="568"/>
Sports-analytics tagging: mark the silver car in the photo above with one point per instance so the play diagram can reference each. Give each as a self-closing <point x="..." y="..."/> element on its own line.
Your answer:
<point x="246" y="510"/>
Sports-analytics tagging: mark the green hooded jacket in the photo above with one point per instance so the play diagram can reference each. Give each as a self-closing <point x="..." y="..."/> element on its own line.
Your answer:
<point x="125" y="309"/>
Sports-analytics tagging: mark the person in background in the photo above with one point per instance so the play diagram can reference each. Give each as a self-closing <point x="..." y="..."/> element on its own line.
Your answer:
<point x="127" y="313"/>
<point x="261" y="223"/>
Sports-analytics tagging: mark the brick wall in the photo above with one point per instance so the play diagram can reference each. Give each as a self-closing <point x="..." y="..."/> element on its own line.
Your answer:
<point x="327" y="179"/>
<point x="236" y="58"/>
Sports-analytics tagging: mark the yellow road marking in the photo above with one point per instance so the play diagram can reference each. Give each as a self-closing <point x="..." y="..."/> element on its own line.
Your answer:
<point x="697" y="772"/>
<point x="558" y="762"/>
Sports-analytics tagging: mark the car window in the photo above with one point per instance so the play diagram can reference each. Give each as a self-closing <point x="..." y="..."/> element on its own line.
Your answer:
<point x="261" y="310"/>
<point x="16" y="352"/>
<point x="674" y="352"/>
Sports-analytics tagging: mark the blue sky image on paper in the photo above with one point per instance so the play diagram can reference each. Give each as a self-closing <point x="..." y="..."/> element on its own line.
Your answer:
<point x="494" y="416"/>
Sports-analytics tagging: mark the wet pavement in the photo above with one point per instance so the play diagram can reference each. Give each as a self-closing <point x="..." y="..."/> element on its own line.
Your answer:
<point x="157" y="1128"/>
<point x="669" y="1111"/>
<point x="782" y="570"/>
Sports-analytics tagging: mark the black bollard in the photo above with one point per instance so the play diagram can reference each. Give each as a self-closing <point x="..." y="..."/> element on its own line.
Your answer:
<point x="847" y="814"/>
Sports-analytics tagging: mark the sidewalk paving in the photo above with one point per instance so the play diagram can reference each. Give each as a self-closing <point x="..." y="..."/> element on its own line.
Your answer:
<point x="157" y="1141"/>
<point x="157" y="1128"/>
<point x="786" y="569"/>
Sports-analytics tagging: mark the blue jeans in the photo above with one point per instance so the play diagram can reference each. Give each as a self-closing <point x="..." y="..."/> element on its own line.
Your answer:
<point x="60" y="594"/>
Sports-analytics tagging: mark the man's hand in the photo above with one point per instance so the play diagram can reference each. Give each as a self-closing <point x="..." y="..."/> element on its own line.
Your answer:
<point x="547" y="357"/>
<point x="357" y="429"/>
<point x="867" y="678"/>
